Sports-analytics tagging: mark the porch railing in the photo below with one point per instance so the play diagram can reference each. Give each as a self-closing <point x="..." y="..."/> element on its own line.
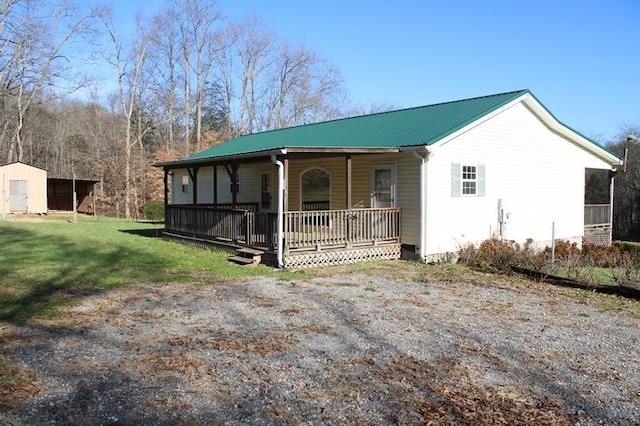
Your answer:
<point x="303" y="230"/>
<point x="597" y="215"/>
<point x="315" y="230"/>
<point x="238" y="226"/>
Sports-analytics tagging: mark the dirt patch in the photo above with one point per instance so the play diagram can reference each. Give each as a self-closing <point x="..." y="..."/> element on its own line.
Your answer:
<point x="337" y="348"/>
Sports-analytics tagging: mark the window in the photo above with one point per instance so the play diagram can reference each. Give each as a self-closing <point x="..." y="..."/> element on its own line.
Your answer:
<point x="316" y="190"/>
<point x="234" y="185"/>
<point x="185" y="183"/>
<point x="467" y="180"/>
<point x="265" y="188"/>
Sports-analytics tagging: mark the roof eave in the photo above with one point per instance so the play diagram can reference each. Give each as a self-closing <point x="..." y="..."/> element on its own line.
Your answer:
<point x="220" y="159"/>
<point x="268" y="153"/>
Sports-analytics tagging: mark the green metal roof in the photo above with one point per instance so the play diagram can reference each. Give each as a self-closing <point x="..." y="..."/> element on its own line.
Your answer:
<point x="395" y="129"/>
<point x="399" y="129"/>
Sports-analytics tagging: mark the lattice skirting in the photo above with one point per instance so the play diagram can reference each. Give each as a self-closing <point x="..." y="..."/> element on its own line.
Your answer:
<point x="310" y="259"/>
<point x="338" y="257"/>
<point x="200" y="242"/>
<point x="599" y="237"/>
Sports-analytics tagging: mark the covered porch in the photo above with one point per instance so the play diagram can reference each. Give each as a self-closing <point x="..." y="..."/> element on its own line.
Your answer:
<point x="598" y="207"/>
<point x="294" y="207"/>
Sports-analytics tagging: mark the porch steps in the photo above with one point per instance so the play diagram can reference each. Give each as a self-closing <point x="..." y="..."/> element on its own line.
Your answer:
<point x="247" y="256"/>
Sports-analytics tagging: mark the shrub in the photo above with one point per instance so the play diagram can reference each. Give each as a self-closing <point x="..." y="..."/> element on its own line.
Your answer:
<point x="497" y="254"/>
<point x="153" y="210"/>
<point x="605" y="256"/>
<point x="631" y="247"/>
<point x="564" y="250"/>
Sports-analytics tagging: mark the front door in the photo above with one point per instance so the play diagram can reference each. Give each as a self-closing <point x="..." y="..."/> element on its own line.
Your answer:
<point x="383" y="186"/>
<point x="18" y="195"/>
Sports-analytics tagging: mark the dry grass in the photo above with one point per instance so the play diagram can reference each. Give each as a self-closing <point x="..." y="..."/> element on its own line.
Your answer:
<point x="413" y="389"/>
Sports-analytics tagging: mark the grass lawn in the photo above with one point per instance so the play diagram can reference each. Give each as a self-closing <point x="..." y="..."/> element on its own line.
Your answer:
<point x="45" y="264"/>
<point x="595" y="275"/>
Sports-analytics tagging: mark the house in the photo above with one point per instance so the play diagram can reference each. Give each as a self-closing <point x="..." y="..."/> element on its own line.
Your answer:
<point x="430" y="179"/>
<point x="23" y="189"/>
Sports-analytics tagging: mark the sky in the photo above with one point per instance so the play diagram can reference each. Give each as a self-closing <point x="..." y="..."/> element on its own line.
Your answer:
<point x="581" y="59"/>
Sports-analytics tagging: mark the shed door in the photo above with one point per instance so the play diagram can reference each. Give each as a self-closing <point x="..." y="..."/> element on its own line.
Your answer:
<point x="18" y="195"/>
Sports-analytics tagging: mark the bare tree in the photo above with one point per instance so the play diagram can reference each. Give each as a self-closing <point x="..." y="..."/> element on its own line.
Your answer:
<point x="33" y="65"/>
<point x="199" y="42"/>
<point x="129" y="67"/>
<point x="626" y="220"/>
<point x="304" y="88"/>
<point x="253" y="45"/>
<point x="165" y="57"/>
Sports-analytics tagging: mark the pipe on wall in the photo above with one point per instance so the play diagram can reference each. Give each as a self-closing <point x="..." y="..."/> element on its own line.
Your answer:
<point x="279" y="230"/>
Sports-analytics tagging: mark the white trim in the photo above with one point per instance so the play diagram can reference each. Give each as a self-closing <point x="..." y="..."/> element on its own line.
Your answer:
<point x="476" y="123"/>
<point x="474" y="180"/>
<point x="576" y="138"/>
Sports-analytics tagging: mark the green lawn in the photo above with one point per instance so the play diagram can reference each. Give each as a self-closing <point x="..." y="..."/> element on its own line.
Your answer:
<point x="51" y="263"/>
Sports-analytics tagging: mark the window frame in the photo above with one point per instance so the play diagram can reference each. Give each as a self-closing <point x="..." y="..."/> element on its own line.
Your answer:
<point x="265" y="190"/>
<point x="458" y="179"/>
<point x="465" y="178"/>
<point x="301" y="179"/>
<point x="185" y="184"/>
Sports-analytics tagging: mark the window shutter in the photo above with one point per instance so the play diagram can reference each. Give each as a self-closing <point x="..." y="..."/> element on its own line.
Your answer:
<point x="480" y="192"/>
<point x="455" y="179"/>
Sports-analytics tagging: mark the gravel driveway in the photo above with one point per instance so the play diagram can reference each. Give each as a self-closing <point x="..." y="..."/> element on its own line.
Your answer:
<point x="343" y="349"/>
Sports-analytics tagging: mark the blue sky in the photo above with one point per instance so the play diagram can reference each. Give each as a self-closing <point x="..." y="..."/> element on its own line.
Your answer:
<point x="580" y="58"/>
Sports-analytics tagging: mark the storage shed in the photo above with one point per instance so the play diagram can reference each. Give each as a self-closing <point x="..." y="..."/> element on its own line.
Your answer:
<point x="60" y="194"/>
<point x="23" y="189"/>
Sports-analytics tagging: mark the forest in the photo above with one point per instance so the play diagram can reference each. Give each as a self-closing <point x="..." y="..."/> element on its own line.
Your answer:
<point x="80" y="96"/>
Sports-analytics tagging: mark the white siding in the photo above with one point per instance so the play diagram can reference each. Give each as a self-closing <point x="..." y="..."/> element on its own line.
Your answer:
<point x="538" y="174"/>
<point x="36" y="182"/>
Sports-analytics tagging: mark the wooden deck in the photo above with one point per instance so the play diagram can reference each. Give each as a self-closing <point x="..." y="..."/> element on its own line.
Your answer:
<point x="310" y="238"/>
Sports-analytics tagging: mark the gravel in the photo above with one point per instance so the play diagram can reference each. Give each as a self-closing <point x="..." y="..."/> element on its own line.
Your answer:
<point x="344" y="349"/>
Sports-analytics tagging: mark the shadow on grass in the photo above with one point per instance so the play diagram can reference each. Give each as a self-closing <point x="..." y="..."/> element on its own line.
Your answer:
<point x="149" y="233"/>
<point x="41" y="271"/>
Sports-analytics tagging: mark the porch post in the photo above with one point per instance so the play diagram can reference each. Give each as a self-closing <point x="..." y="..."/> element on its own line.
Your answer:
<point x="348" y="198"/>
<point x="285" y="186"/>
<point x="215" y="186"/>
<point x="193" y="174"/>
<point x="166" y="188"/>
<point x="348" y="182"/>
<point x="612" y="175"/>
<point x="233" y="177"/>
